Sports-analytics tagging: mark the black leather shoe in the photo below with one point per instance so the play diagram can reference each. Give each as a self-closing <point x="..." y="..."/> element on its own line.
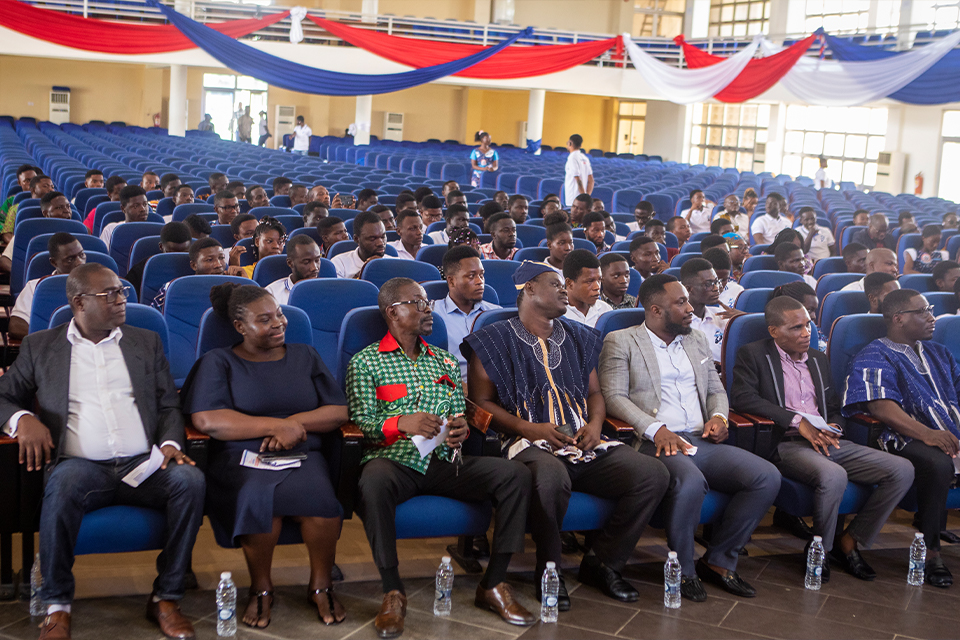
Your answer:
<point x="949" y="537"/>
<point x="732" y="583"/>
<point x="610" y="582"/>
<point x="853" y="563"/>
<point x="569" y="543"/>
<point x="563" y="598"/>
<point x="692" y="589"/>
<point x="937" y="573"/>
<point x="792" y="524"/>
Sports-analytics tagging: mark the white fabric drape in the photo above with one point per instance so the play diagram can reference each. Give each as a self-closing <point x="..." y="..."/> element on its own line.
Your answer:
<point x="686" y="86"/>
<point x="843" y="84"/>
<point x="297" y="14"/>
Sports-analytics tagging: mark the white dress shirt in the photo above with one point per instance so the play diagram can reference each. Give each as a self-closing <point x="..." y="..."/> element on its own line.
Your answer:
<point x="439" y="237"/>
<point x="768" y="227"/>
<point x="103" y="422"/>
<point x="348" y="264"/>
<point x="633" y="226"/>
<point x="107" y="234"/>
<point x="301" y="137"/>
<point x="402" y="252"/>
<point x="820" y="247"/>
<point x="280" y="289"/>
<point x="25" y="301"/>
<point x="459" y="325"/>
<point x="856" y="285"/>
<point x="578" y="166"/>
<point x="699" y="219"/>
<point x="729" y="295"/>
<point x="679" y="406"/>
<point x="593" y="313"/>
<point x="712" y="327"/>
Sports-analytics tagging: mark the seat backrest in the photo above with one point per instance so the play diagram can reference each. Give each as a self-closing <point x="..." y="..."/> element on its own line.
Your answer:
<point x="39" y="243"/>
<point x="273" y="268"/>
<point x="495" y="315"/>
<point x="848" y="336"/>
<point x="165" y="207"/>
<point x="738" y="332"/>
<point x="144" y="248"/>
<point x="364" y="326"/>
<point x="50" y="295"/>
<point x="907" y="241"/>
<point x="530" y="235"/>
<point x="438" y="290"/>
<point x="40" y="264"/>
<point x="259" y="212"/>
<point x="124" y="235"/>
<point x="691" y="246"/>
<point x="841" y="303"/>
<point x="100" y="213"/>
<point x="834" y="282"/>
<point x="946" y="332"/>
<point x="942" y="302"/>
<point x="186" y="301"/>
<point x="619" y="319"/>
<point x="754" y="300"/>
<point x="432" y="254"/>
<point x="922" y="282"/>
<point x="326" y="301"/>
<point x="27" y="230"/>
<point x="499" y="275"/>
<point x="759" y="263"/>
<point x="138" y="315"/>
<point x="379" y="271"/>
<point x="161" y="269"/>
<point x="829" y="265"/>
<point x="537" y="254"/>
<point x="217" y="332"/>
<point x="764" y="278"/>
<point x="678" y="259"/>
<point x="181" y="211"/>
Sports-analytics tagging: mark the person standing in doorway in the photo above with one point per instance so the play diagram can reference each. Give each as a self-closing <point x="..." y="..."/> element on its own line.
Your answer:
<point x="578" y="172"/>
<point x="483" y="158"/>
<point x="264" y="130"/>
<point x="820" y="179"/>
<point x="244" y="125"/>
<point x="301" y="137"/>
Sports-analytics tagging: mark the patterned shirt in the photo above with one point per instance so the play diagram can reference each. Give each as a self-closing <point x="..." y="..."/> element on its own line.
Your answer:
<point x="384" y="384"/>
<point x="487" y="252"/>
<point x="629" y="301"/>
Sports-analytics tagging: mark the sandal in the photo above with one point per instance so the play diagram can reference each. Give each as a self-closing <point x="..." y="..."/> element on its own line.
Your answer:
<point x="329" y="593"/>
<point x="260" y="595"/>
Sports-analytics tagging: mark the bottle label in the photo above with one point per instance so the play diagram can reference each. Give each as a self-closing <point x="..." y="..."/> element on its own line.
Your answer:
<point x="551" y="601"/>
<point x="671" y="589"/>
<point x="225" y="613"/>
<point x="817" y="570"/>
<point x="444" y="594"/>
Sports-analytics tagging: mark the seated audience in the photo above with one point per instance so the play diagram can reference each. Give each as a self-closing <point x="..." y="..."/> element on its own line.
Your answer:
<point x="431" y="210"/>
<point x="25" y="173"/>
<point x="722" y="266"/>
<point x="456" y="215"/>
<point x="710" y="315"/>
<point x="579" y="208"/>
<point x="615" y="280"/>
<point x="331" y="230"/>
<point x="206" y="259"/>
<point x="238" y="189"/>
<point x="855" y="257"/>
<point x="454" y="197"/>
<point x="487" y="211"/>
<point x="40" y="185"/>
<point x="230" y="397"/>
<point x="560" y="244"/>
<point x="298" y="195"/>
<point x="183" y="195"/>
<point x="150" y="181"/>
<point x="423" y="192"/>
<point x="303" y="258"/>
<point x="882" y="260"/>
<point x="463" y="272"/>
<point x="876" y="286"/>
<point x="226" y="206"/>
<point x="712" y="241"/>
<point x="595" y="230"/>
<point x="909" y="383"/>
<point x="731" y="212"/>
<point x="907" y="222"/>
<point x="928" y="256"/>
<point x="766" y="227"/>
<point x="802" y="447"/>
<point x="174" y="238"/>
<point x="678" y="226"/>
<point x="790" y="259"/>
<point x="559" y="215"/>
<point x="581" y="272"/>
<point x="503" y="243"/>
<point x="597" y="205"/>
<point x="378" y="380"/>
<point x="405" y="200"/>
<point x="169" y="184"/>
<point x="549" y="411"/>
<point x="114" y="185"/>
<point x="199" y="227"/>
<point x="53" y="204"/>
<point x="448" y="187"/>
<point x="93" y="179"/>
<point x="951" y="221"/>
<point x="750" y="201"/>
<point x="649" y="375"/>
<point x="806" y="296"/>
<point x="217" y="182"/>
<point x="721" y="226"/>
<point x="269" y="238"/>
<point x="66" y="253"/>
<point x="945" y="275"/>
<point x="501" y="198"/>
<point x="739" y="250"/>
<point x="320" y="194"/>
<point x="698" y="215"/>
<point x="91" y="429"/>
<point x="611" y="226"/>
<point x="386" y="216"/>
<point x="371" y="239"/>
<point x="645" y="256"/>
<point x="243" y="226"/>
<point x="550" y="207"/>
<point x="281" y="186"/>
<point x="410" y="229"/>
<point x="818" y="242"/>
<point x="861" y="218"/>
<point x="517" y="207"/>
<point x="875" y="236"/>
<point x="257" y="197"/>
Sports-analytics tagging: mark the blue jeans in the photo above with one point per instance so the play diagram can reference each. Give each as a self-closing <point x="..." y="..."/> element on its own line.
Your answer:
<point x="77" y="486"/>
<point x="299" y="152"/>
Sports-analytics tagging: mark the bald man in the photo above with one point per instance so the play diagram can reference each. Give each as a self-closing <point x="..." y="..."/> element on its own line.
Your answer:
<point x="878" y="261"/>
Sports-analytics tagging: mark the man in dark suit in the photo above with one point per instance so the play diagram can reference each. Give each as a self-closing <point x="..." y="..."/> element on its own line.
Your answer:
<point x="781" y="378"/>
<point x="104" y="400"/>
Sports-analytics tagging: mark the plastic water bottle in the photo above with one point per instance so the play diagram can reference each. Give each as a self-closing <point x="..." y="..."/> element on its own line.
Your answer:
<point x="550" y="588"/>
<point x="36" y="581"/>
<point x="815" y="558"/>
<point x="671" y="581"/>
<point x="226" y="606"/>
<point x="918" y="561"/>
<point x="443" y="601"/>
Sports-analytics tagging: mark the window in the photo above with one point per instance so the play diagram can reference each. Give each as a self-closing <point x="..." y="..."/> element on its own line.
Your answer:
<point x="937" y="15"/>
<point x="739" y="17"/>
<point x="631" y="121"/>
<point x="227" y="81"/>
<point x="726" y="135"/>
<point x="850" y="138"/>
<point x="658" y="18"/>
<point x="850" y="15"/>
<point x="949" y="187"/>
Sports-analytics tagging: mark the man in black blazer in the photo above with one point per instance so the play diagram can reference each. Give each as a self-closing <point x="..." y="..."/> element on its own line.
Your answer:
<point x="781" y="378"/>
<point x="104" y="398"/>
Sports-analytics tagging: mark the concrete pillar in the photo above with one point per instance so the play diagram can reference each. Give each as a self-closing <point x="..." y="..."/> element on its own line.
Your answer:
<point x="369" y="10"/>
<point x="905" y="37"/>
<point x="503" y="11"/>
<point x="538" y="98"/>
<point x="779" y="17"/>
<point x="362" y="120"/>
<point x="696" y="19"/>
<point x="177" y="117"/>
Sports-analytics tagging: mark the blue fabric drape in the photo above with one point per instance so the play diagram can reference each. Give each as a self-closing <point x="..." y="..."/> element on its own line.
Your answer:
<point x="297" y="77"/>
<point x="938" y="85"/>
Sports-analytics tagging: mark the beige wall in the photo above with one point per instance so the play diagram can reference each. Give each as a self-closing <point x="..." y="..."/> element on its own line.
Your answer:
<point x="592" y="16"/>
<point x="439" y="9"/>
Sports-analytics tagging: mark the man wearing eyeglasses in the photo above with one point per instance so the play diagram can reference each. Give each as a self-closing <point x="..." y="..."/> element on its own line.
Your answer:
<point x="135" y="208"/>
<point x="104" y="400"/>
<point x="710" y="315"/>
<point x="226" y="206"/>
<point x="911" y="385"/>
<point x="52" y="205"/>
<point x="402" y="390"/>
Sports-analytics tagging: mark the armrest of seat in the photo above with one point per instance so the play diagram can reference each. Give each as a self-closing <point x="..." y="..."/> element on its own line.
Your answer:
<point x="351" y="451"/>
<point x="619" y="430"/>
<point x="864" y="429"/>
<point x="197" y="444"/>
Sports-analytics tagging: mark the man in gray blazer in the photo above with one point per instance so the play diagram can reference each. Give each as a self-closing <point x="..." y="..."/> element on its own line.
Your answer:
<point x="660" y="378"/>
<point x="104" y="400"/>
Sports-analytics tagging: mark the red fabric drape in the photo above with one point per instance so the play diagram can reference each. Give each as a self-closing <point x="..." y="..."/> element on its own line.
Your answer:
<point x="112" y="37"/>
<point x="760" y="74"/>
<point x="515" y="62"/>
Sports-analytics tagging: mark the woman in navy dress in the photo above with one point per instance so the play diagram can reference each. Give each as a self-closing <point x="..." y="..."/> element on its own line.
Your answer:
<point x="263" y="395"/>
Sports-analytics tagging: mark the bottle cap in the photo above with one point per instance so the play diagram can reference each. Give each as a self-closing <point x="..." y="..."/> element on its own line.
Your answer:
<point x="445" y="559"/>
<point x="817" y="539"/>
<point x="918" y="535"/>
<point x="226" y="575"/>
<point x="551" y="565"/>
<point x="672" y="555"/>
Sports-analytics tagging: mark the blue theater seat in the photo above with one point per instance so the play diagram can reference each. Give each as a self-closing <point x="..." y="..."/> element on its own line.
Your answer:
<point x="379" y="271"/>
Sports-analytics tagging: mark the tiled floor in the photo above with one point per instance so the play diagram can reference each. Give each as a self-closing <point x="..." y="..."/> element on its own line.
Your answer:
<point x="844" y="608"/>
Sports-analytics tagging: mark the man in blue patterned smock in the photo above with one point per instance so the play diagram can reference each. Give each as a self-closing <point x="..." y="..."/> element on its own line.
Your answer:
<point x="911" y="385"/>
<point x="537" y="374"/>
<point x="401" y="390"/>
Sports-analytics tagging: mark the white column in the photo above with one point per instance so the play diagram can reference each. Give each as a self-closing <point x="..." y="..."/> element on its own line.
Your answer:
<point x="696" y="19"/>
<point x="538" y="98"/>
<point x="177" y="105"/>
<point x="504" y="11"/>
<point x="362" y="120"/>
<point x="369" y="10"/>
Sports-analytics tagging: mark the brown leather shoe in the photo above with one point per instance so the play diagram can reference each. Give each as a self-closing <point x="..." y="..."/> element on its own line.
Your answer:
<point x="173" y="624"/>
<point x="55" y="626"/>
<point x="500" y="601"/>
<point x="389" y="621"/>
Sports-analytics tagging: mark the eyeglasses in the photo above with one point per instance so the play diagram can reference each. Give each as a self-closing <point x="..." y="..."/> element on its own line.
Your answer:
<point x="922" y="312"/>
<point x="709" y="284"/>
<point x="422" y="305"/>
<point x="229" y="206"/>
<point x="111" y="296"/>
